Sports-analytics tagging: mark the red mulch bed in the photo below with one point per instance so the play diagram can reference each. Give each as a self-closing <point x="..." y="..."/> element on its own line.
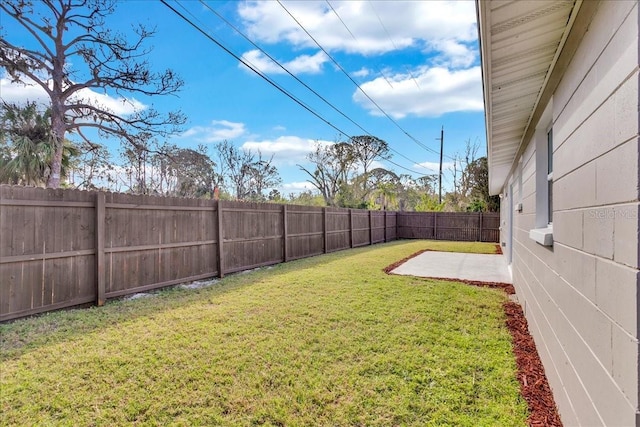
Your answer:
<point x="533" y="381"/>
<point x="534" y="386"/>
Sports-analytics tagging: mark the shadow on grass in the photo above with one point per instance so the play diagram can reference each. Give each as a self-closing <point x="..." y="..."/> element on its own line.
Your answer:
<point x="21" y="336"/>
<point x="28" y="334"/>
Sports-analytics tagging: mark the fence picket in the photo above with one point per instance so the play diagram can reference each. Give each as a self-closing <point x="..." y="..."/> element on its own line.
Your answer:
<point x="100" y="268"/>
<point x="220" y="250"/>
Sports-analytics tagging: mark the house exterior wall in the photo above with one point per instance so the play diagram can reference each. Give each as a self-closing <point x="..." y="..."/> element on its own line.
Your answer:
<point x="580" y="295"/>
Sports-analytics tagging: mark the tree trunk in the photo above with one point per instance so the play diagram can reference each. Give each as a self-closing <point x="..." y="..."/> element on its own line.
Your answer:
<point x="58" y="125"/>
<point x="56" y="163"/>
<point x="58" y="129"/>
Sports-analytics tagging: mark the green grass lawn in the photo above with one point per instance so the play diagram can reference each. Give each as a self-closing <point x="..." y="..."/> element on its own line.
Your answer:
<point x="326" y="341"/>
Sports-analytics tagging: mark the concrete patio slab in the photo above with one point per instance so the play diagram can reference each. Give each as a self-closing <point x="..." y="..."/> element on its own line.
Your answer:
<point x="454" y="265"/>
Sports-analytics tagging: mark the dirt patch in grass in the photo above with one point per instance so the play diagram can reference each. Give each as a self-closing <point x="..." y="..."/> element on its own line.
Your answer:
<point x="534" y="386"/>
<point x="498" y="249"/>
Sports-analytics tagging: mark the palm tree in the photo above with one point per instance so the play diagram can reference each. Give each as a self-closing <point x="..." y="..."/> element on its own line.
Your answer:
<point x="26" y="145"/>
<point x="26" y="164"/>
<point x="387" y="193"/>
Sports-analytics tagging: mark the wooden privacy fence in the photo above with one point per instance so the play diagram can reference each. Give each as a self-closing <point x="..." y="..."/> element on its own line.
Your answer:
<point x="458" y="226"/>
<point x="62" y="248"/>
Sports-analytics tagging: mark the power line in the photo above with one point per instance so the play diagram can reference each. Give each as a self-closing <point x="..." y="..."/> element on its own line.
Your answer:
<point x="251" y="67"/>
<point x="405" y="157"/>
<point x="295" y="99"/>
<point x="391" y="40"/>
<point x="237" y="30"/>
<point x="226" y="21"/>
<point x="280" y="88"/>
<point x="407" y="169"/>
<point x="354" y="82"/>
<point x="335" y="12"/>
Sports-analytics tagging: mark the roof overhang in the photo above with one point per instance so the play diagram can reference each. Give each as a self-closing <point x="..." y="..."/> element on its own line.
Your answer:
<point x="524" y="49"/>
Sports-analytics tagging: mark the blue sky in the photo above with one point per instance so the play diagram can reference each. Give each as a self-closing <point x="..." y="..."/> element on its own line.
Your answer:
<point x="418" y="60"/>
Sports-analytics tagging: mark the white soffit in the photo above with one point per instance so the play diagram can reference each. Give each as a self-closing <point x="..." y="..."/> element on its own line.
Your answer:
<point x="519" y="41"/>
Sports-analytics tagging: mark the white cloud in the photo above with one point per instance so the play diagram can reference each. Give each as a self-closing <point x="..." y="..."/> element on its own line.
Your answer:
<point x="20" y="94"/>
<point x="456" y="54"/>
<point x="363" y="72"/>
<point x="120" y="106"/>
<point x="310" y="64"/>
<point x="440" y="90"/>
<point x="296" y="187"/>
<point x="429" y="25"/>
<point x="218" y="131"/>
<point x="377" y="164"/>
<point x="285" y="149"/>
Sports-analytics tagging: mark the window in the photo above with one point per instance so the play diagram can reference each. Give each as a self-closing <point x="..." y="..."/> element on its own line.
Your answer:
<point x="543" y="140"/>
<point x="520" y="194"/>
<point x="550" y="176"/>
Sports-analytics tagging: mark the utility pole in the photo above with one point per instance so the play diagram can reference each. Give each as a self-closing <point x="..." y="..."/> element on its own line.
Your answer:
<point x="440" y="176"/>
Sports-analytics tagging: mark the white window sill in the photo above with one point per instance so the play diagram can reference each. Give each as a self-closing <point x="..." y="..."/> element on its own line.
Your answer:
<point x="543" y="236"/>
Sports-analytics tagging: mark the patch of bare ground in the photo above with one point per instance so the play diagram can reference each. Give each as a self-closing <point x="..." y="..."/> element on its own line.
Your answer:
<point x="534" y="386"/>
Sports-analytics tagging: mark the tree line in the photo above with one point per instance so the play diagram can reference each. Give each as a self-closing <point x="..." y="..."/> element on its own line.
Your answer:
<point x="74" y="52"/>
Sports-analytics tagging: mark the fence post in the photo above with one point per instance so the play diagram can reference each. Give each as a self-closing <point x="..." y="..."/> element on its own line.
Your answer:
<point x="100" y="268"/>
<point x="480" y="227"/>
<point x="396" y="226"/>
<point x="385" y="226"/>
<point x="350" y="228"/>
<point x="284" y="233"/>
<point x="435" y="225"/>
<point x="370" y="229"/>
<point x="220" y="239"/>
<point x="324" y="230"/>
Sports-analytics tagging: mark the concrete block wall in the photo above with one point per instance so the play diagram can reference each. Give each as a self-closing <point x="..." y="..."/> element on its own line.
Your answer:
<point x="581" y="295"/>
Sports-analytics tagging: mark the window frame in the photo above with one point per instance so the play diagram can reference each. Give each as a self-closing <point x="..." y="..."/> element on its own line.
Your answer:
<point x="543" y="140"/>
<point x="550" y="175"/>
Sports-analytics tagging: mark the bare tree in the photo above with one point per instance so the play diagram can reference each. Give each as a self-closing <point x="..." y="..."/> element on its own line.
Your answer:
<point x="164" y="169"/>
<point x="93" y="169"/>
<point x="185" y="172"/>
<point x="366" y="149"/>
<point x="263" y="175"/>
<point x="462" y="179"/>
<point x="334" y="165"/>
<point x="428" y="184"/>
<point x="137" y="162"/>
<point x="231" y="161"/>
<point x="469" y="156"/>
<point x="73" y="51"/>
<point x="249" y="173"/>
